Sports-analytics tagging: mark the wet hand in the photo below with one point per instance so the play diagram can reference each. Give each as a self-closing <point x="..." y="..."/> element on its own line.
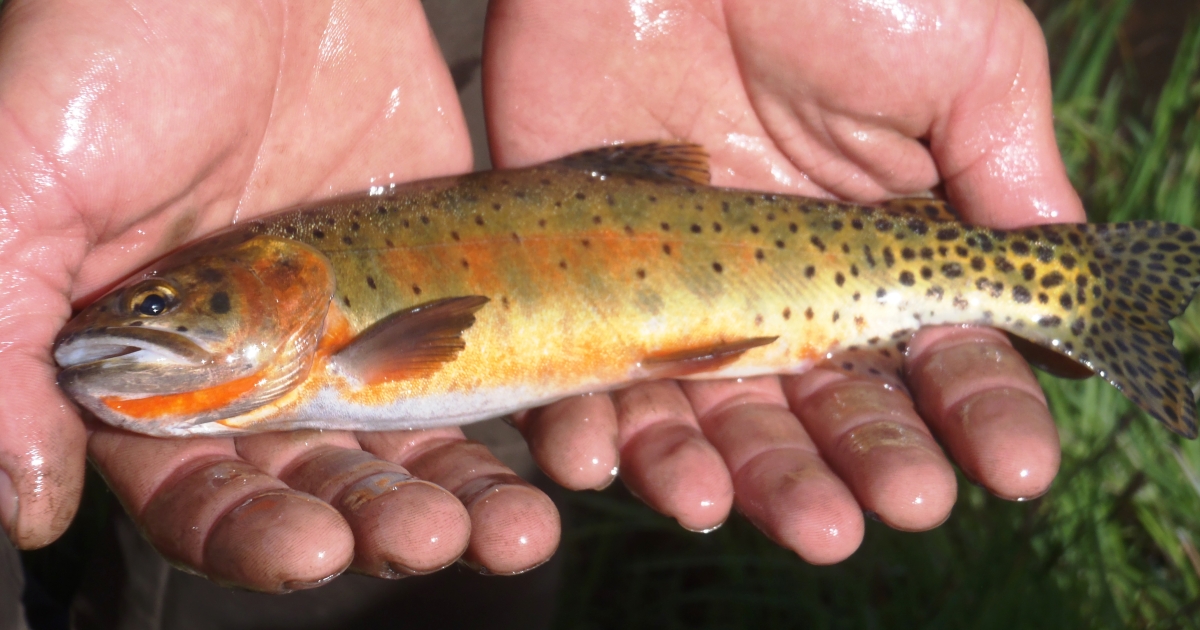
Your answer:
<point x="126" y="132"/>
<point x="849" y="99"/>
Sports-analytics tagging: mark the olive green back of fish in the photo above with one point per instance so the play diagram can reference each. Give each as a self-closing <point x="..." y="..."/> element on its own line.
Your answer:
<point x="632" y="232"/>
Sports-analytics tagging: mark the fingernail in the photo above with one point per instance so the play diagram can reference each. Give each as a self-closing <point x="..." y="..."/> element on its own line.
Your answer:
<point x="871" y="514"/>
<point x="297" y="585"/>
<point x="707" y="530"/>
<point x="8" y="506"/>
<point x="471" y="565"/>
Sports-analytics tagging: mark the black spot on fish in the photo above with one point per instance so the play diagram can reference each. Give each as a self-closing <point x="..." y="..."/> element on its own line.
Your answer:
<point x="907" y="278"/>
<point x="810" y="271"/>
<point x="1065" y="300"/>
<point x="716" y="226"/>
<point x="696" y="229"/>
<point x="381" y="210"/>
<point x="354" y="226"/>
<point x="808" y="313"/>
<point x="425" y="219"/>
<point x="978" y="263"/>
<point x="580" y="196"/>
<point x="318" y="234"/>
<point x="816" y="241"/>
<point x="908" y="254"/>
<point x="641" y="274"/>
<point x="181" y="328"/>
<point x="219" y="303"/>
<point x="1049" y="322"/>
<point x="839" y="279"/>
<point x="856" y="224"/>
<point x="779" y="244"/>
<point x="759" y="254"/>
<point x="1028" y="271"/>
<point x="926" y="273"/>
<point x="787" y="313"/>
<point x="478" y="220"/>
<point x="562" y="264"/>
<point x="666" y="249"/>
<point x="836" y="316"/>
<point x="717" y="267"/>
<point x="947" y="234"/>
<point x="1052" y="279"/>
<point x="347" y="240"/>
<point x="346" y="301"/>
<point x="835" y="224"/>
<point x="952" y="270"/>
<point x="388" y="242"/>
<point x="883" y="225"/>
<point x="596" y="219"/>
<point x="416" y="290"/>
<point x="1020" y="248"/>
<point x="371" y="282"/>
<point x="1068" y="261"/>
<point x="496" y="207"/>
<point x="454" y="235"/>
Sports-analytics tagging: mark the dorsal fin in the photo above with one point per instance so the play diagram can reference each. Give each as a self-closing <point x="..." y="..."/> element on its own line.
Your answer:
<point x="925" y="207"/>
<point x="412" y="343"/>
<point x="681" y="162"/>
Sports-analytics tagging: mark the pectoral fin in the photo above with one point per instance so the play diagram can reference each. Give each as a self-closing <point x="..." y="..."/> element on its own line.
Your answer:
<point x="690" y="361"/>
<point x="412" y="343"/>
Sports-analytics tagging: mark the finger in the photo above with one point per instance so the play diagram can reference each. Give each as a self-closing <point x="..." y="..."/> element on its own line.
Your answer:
<point x="574" y="440"/>
<point x="870" y="434"/>
<point x="782" y="485"/>
<point x="983" y="402"/>
<point x="667" y="462"/>
<point x="205" y="509"/>
<point x="402" y="525"/>
<point x="514" y="526"/>
<point x="42" y="441"/>
<point x="996" y="147"/>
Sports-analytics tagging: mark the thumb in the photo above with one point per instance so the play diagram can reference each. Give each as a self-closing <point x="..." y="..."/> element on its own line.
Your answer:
<point x="995" y="147"/>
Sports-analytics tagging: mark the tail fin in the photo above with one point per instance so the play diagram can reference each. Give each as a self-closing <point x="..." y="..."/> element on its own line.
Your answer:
<point x="1130" y="280"/>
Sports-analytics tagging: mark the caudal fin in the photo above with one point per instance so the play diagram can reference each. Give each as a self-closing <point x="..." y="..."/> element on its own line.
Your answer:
<point x="1130" y="280"/>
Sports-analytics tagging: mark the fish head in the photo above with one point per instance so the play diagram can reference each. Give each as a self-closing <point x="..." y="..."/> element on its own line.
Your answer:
<point x="205" y="334"/>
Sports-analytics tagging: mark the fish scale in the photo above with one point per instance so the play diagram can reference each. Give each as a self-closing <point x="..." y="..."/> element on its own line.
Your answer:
<point x="618" y="264"/>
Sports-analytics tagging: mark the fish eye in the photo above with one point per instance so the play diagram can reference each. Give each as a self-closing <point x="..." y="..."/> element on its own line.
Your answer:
<point x="151" y="299"/>
<point x="152" y="304"/>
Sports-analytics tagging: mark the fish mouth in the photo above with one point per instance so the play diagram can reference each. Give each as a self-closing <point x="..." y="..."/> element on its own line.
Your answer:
<point x="130" y="345"/>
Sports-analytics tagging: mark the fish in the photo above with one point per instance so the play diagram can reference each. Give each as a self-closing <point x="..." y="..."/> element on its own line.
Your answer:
<point x="453" y="300"/>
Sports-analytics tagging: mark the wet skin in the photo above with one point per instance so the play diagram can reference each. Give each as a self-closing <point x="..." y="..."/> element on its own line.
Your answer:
<point x="127" y="133"/>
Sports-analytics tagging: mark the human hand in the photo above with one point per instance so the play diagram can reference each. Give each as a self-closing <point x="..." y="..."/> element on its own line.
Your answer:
<point x="858" y="100"/>
<point x="130" y="128"/>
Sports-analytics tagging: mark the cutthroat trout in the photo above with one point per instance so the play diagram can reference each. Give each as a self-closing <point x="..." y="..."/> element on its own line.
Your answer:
<point x="459" y="299"/>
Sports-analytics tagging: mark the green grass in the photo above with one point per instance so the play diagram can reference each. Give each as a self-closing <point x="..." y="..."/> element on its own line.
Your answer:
<point x="1113" y="545"/>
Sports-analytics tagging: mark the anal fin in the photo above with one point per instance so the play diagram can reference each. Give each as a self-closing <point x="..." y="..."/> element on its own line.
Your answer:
<point x="412" y="343"/>
<point x="678" y="363"/>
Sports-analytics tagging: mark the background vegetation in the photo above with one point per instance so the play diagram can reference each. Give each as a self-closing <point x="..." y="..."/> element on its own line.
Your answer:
<point x="1114" y="543"/>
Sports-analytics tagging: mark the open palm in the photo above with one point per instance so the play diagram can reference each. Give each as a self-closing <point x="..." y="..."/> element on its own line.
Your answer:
<point x="130" y="128"/>
<point x="859" y="100"/>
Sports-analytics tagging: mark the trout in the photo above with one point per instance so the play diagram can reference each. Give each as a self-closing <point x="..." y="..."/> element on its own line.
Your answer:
<point x="458" y="299"/>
